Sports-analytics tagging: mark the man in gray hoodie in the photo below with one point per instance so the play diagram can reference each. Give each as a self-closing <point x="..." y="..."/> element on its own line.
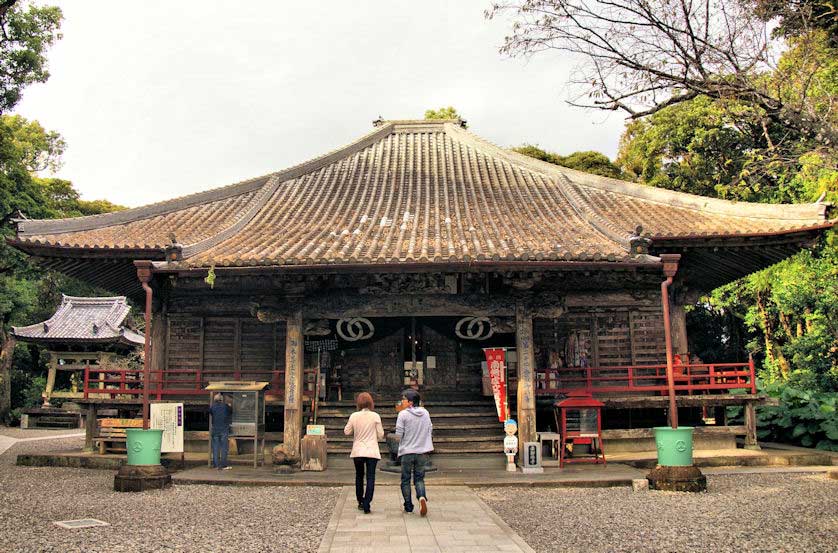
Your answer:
<point x="414" y="428"/>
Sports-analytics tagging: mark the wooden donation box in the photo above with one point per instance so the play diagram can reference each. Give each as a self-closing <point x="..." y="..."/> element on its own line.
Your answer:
<point x="248" y="402"/>
<point x="313" y="448"/>
<point x="581" y="417"/>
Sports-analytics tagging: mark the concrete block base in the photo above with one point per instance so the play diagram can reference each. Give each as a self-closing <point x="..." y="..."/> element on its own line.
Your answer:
<point x="677" y="479"/>
<point x="139" y="478"/>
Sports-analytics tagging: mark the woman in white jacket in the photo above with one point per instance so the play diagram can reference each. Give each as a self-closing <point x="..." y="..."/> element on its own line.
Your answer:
<point x="365" y="427"/>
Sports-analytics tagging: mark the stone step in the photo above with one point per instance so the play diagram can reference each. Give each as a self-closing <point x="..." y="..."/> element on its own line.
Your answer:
<point x="389" y="411"/>
<point x="427" y="404"/>
<point x="441" y="449"/>
<point x="392" y="416"/>
<point x="492" y="426"/>
<point x="341" y="438"/>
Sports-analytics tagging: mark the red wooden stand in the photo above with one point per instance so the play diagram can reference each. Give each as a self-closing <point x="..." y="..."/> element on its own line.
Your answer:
<point x="584" y="427"/>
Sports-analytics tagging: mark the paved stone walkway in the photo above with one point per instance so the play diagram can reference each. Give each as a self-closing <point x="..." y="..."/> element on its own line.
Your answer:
<point x="457" y="521"/>
<point x="6" y="441"/>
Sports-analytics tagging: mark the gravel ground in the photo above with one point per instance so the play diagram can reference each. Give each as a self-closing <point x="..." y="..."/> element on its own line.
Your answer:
<point x="777" y="512"/>
<point x="184" y="518"/>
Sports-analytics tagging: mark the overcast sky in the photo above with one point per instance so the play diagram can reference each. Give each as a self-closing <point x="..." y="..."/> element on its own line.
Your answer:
<point x="158" y="99"/>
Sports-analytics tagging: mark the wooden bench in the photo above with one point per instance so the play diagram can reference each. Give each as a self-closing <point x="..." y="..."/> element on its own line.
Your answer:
<point x="110" y="434"/>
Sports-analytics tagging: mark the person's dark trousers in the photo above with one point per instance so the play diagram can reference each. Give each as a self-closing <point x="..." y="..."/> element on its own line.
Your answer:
<point x="220" y="446"/>
<point x="364" y="496"/>
<point x="413" y="465"/>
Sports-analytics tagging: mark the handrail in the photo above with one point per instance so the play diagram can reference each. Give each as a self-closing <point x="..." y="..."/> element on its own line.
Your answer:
<point x="690" y="378"/>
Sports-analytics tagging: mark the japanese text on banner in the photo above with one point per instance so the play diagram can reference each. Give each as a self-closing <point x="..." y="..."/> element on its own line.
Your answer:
<point x="496" y="363"/>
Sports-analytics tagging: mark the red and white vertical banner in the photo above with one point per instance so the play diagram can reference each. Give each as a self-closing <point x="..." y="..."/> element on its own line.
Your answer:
<point x="496" y="363"/>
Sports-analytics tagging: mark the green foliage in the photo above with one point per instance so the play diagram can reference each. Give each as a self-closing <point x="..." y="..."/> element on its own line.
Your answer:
<point x="793" y="308"/>
<point x="442" y="113"/>
<point x="62" y="200"/>
<point x="27" y="292"/>
<point x="731" y="149"/>
<point x="27" y="32"/>
<point x="798" y="17"/>
<point x="698" y="147"/>
<point x="587" y="161"/>
<point x="803" y="417"/>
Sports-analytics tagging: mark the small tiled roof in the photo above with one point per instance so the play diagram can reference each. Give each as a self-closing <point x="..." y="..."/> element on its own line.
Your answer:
<point x="416" y="192"/>
<point x="84" y="320"/>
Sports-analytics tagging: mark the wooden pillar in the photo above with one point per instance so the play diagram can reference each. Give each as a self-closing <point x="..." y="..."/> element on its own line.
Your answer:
<point x="89" y="428"/>
<point x="53" y="368"/>
<point x="293" y="383"/>
<point x="159" y="332"/>
<point x="678" y="321"/>
<point x="526" y="377"/>
<point x="751" y="426"/>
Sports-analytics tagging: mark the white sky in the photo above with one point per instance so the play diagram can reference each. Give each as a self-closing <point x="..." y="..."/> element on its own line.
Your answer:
<point x="157" y="99"/>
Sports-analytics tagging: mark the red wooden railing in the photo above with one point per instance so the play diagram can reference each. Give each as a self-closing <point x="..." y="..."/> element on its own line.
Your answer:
<point x="689" y="378"/>
<point x="109" y="382"/>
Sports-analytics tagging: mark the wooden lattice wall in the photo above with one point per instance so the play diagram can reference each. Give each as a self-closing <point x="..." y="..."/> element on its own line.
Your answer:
<point x="222" y="348"/>
<point x="608" y="338"/>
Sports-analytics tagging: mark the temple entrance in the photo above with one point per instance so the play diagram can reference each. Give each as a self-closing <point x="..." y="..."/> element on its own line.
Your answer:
<point x="384" y="355"/>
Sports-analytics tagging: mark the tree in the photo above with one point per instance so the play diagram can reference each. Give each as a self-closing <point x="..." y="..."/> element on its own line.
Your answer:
<point x="26" y="147"/>
<point x="62" y="200"/>
<point x="444" y="113"/>
<point x="700" y="147"/>
<point x="641" y="56"/>
<point x="725" y="148"/>
<point x="797" y="17"/>
<point x="588" y="161"/>
<point x="27" y="32"/>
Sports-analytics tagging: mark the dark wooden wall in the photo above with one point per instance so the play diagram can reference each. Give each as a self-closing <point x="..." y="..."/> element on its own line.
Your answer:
<point x="609" y="338"/>
<point x="205" y="348"/>
<point x="201" y="349"/>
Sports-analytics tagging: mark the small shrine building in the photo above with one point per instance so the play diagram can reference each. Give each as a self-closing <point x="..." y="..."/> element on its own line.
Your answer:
<point x="83" y="335"/>
<point x="396" y="259"/>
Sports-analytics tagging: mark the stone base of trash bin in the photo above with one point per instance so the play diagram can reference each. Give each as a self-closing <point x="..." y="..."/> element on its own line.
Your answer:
<point x="139" y="478"/>
<point x="677" y="479"/>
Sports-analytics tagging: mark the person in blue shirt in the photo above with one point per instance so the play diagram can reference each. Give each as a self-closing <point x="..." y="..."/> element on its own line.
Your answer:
<point x="221" y="415"/>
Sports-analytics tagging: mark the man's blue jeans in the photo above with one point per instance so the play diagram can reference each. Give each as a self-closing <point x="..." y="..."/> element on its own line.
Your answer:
<point x="220" y="447"/>
<point x="413" y="464"/>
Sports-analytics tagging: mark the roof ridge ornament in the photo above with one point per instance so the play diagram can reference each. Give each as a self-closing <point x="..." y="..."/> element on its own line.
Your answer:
<point x="378" y="122"/>
<point x="639" y="243"/>
<point x="174" y="251"/>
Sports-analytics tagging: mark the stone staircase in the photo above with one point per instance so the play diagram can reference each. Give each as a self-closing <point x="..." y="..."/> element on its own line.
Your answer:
<point x="50" y="418"/>
<point x="460" y="426"/>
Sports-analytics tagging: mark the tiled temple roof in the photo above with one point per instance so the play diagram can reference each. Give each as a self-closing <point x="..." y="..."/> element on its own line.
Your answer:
<point x="84" y="320"/>
<point x="416" y="192"/>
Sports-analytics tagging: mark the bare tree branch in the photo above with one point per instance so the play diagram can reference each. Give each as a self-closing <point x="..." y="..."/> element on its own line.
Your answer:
<point x="641" y="56"/>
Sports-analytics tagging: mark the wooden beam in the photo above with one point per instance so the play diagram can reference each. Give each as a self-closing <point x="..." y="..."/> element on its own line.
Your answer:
<point x="640" y="402"/>
<point x="751" y="426"/>
<point x="344" y="304"/>
<point x="89" y="428"/>
<point x="159" y="338"/>
<point x="293" y="383"/>
<point x="638" y="433"/>
<point x="526" y="377"/>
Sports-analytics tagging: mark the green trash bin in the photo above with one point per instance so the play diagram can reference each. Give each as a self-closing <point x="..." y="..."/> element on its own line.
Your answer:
<point x="675" y="446"/>
<point x="143" y="446"/>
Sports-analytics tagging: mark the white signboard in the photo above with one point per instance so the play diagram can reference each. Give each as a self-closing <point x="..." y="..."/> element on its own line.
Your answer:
<point x="168" y="417"/>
